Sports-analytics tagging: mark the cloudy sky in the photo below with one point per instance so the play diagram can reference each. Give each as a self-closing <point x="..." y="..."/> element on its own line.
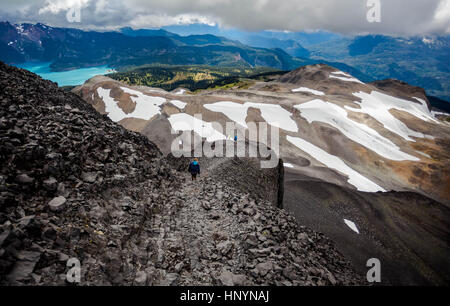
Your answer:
<point x="401" y="17"/>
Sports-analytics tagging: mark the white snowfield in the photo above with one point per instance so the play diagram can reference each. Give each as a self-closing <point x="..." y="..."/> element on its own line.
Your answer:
<point x="426" y="113"/>
<point x="354" y="178"/>
<point x="309" y="90"/>
<point x="185" y="122"/>
<point x="436" y="113"/>
<point x="146" y="106"/>
<point x="288" y="165"/>
<point x="178" y="103"/>
<point x="336" y="116"/>
<point x="352" y="225"/>
<point x="236" y="112"/>
<point x="274" y="114"/>
<point x="180" y="92"/>
<point x="344" y="77"/>
<point x="377" y="105"/>
<point x="342" y="73"/>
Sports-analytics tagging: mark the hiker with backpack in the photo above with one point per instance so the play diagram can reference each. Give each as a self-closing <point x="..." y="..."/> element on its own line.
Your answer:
<point x="194" y="169"/>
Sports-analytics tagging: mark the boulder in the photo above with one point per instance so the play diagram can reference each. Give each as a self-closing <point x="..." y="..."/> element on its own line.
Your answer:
<point x="24" y="267"/>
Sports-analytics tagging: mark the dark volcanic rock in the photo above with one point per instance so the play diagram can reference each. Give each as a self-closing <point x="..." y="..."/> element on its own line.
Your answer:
<point x="59" y="158"/>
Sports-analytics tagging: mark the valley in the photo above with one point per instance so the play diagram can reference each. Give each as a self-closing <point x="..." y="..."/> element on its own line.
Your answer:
<point x="65" y="78"/>
<point x="419" y="61"/>
<point x="69" y="49"/>
<point x="190" y="77"/>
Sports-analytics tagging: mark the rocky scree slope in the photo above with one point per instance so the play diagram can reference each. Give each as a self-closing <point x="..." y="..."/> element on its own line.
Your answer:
<point x="75" y="184"/>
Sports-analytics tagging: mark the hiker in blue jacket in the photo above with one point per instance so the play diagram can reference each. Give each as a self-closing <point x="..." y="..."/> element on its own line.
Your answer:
<point x="194" y="169"/>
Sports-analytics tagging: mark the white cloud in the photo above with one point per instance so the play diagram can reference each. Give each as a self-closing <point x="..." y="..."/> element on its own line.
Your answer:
<point x="443" y="11"/>
<point x="56" y="6"/>
<point x="405" y="17"/>
<point x="157" y="21"/>
<point x="442" y="15"/>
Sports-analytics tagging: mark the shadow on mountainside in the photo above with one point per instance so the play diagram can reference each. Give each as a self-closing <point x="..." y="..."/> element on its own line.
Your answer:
<point x="407" y="231"/>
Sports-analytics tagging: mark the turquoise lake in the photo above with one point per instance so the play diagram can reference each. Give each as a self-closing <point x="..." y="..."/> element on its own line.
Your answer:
<point x="64" y="78"/>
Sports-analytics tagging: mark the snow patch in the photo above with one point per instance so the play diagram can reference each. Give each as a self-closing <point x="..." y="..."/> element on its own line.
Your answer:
<point x="288" y="165"/>
<point x="346" y="79"/>
<point x="428" y="41"/>
<point x="352" y="225"/>
<point x="305" y="89"/>
<point x="274" y="114"/>
<point x="336" y="116"/>
<point x="423" y="154"/>
<point x="19" y="28"/>
<point x="377" y="105"/>
<point x="185" y="122"/>
<point x="342" y="73"/>
<point x="436" y="113"/>
<point x="180" y="92"/>
<point x="146" y="106"/>
<point x="236" y="112"/>
<point x="179" y="104"/>
<point x="428" y="114"/>
<point x="334" y="162"/>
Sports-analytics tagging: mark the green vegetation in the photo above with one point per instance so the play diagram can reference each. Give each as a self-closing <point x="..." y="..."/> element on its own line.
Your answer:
<point x="193" y="77"/>
<point x="68" y="87"/>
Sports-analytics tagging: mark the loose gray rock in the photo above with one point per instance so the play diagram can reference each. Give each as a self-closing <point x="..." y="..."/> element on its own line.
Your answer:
<point x="89" y="177"/>
<point x="206" y="205"/>
<point x="24" y="267"/>
<point x="171" y="279"/>
<point x="225" y="247"/>
<point x="57" y="204"/>
<point x="264" y="268"/>
<point x="141" y="278"/>
<point x="24" y="179"/>
<point x="226" y="278"/>
<point x="50" y="184"/>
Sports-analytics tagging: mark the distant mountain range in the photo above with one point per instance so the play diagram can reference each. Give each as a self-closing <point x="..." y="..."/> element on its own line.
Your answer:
<point x="420" y="61"/>
<point x="304" y="38"/>
<point x="72" y="48"/>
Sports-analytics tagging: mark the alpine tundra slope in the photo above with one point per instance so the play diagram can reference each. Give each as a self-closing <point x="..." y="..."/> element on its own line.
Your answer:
<point x="366" y="163"/>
